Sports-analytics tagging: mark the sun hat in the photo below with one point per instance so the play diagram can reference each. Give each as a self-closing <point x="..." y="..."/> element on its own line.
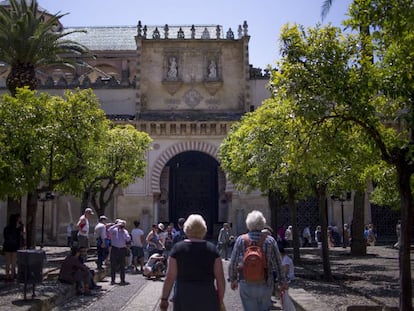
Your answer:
<point x="89" y="210"/>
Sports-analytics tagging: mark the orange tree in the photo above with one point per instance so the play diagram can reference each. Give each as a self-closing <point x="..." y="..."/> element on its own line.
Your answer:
<point x="372" y="92"/>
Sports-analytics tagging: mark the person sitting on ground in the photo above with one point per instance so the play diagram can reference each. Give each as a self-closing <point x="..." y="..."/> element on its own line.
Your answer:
<point x="73" y="271"/>
<point x="155" y="266"/>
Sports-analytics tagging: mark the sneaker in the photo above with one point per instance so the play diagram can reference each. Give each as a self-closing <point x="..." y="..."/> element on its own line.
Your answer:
<point x="124" y="283"/>
<point x="113" y="283"/>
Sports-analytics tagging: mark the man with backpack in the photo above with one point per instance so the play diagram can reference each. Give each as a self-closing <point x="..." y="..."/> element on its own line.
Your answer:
<point x="254" y="258"/>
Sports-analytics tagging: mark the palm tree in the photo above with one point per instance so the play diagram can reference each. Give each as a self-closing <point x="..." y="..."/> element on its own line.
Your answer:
<point x="31" y="38"/>
<point x="326" y="6"/>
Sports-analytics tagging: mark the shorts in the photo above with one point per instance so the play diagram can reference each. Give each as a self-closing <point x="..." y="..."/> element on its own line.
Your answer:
<point x="137" y="252"/>
<point x="83" y="241"/>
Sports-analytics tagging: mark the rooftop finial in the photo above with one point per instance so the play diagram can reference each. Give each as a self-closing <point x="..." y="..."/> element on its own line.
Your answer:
<point x="245" y="28"/>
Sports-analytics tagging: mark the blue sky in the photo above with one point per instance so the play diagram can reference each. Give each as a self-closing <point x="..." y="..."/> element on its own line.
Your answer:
<point x="264" y="17"/>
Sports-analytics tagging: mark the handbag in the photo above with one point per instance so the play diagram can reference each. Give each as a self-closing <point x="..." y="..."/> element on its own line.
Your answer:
<point x="287" y="303"/>
<point x="222" y="307"/>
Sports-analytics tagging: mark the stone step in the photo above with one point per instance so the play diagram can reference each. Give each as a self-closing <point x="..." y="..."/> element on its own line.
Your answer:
<point x="304" y="301"/>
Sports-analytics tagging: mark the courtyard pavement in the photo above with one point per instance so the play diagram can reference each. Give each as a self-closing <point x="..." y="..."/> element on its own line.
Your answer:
<point x="359" y="281"/>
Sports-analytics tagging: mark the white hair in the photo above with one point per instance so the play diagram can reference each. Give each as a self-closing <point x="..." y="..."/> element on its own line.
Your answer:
<point x="195" y="226"/>
<point x="255" y="221"/>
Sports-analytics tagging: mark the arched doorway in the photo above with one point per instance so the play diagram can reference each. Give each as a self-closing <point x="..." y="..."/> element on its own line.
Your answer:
<point x="193" y="187"/>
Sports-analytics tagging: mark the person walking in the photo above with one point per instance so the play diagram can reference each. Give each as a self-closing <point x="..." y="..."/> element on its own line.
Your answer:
<point x="83" y="227"/>
<point x="398" y="233"/>
<point x="223" y="241"/>
<point x="168" y="240"/>
<point x="196" y="266"/>
<point x="101" y="245"/>
<point x="307" y="237"/>
<point x="119" y="239"/>
<point x="137" y="246"/>
<point x="12" y="235"/>
<point x="256" y="296"/>
<point x="69" y="229"/>
<point x="288" y="269"/>
<point x="289" y="236"/>
<point x="318" y="236"/>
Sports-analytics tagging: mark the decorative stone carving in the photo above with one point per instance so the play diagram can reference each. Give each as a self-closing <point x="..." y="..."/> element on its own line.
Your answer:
<point x="172" y="103"/>
<point x="156" y="34"/>
<point x="180" y="34"/>
<point x="192" y="98"/>
<point x="212" y="86"/>
<point x="62" y="82"/>
<point x="139" y="29"/>
<point x="172" y="86"/>
<point x="245" y="28"/>
<point x="206" y="34"/>
<point x="212" y="70"/>
<point x="230" y="34"/>
<point x="172" y="73"/>
<point x="213" y="103"/>
<point x="240" y="32"/>
<point x="144" y="101"/>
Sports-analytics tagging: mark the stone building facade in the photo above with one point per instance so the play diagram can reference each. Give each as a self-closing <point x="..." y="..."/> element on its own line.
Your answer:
<point x="184" y="86"/>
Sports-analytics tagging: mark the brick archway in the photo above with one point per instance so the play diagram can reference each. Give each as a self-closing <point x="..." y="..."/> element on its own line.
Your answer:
<point x="173" y="151"/>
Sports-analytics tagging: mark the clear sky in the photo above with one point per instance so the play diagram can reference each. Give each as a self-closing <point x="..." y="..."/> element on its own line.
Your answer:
<point x="264" y="17"/>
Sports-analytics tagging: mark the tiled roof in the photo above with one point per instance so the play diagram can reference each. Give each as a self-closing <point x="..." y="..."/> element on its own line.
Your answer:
<point x="118" y="38"/>
<point x="105" y="38"/>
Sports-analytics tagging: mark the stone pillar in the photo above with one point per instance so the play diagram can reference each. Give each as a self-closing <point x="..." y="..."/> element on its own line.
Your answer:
<point x="155" y="204"/>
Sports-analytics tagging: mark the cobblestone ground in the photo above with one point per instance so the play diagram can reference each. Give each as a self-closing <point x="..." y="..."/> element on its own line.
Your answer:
<point x="370" y="280"/>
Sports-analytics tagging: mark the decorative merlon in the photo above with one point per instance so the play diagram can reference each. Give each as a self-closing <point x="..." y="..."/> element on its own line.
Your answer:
<point x="190" y="32"/>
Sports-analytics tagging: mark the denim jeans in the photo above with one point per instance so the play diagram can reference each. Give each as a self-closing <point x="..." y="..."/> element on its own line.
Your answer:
<point x="102" y="252"/>
<point x="255" y="297"/>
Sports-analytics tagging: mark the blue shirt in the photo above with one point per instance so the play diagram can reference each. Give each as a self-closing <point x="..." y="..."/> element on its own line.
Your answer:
<point x="119" y="236"/>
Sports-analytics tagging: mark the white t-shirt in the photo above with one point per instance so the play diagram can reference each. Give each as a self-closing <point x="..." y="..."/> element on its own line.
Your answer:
<point x="286" y="260"/>
<point x="100" y="231"/>
<point x="136" y="235"/>
<point x="83" y="225"/>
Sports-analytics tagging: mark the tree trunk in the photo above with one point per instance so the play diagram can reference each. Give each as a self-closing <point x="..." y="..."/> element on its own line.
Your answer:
<point x="293" y="207"/>
<point x="321" y="191"/>
<point x="404" y="176"/>
<point x="358" y="243"/>
<point x="85" y="200"/>
<point x="274" y="199"/>
<point x="31" y="220"/>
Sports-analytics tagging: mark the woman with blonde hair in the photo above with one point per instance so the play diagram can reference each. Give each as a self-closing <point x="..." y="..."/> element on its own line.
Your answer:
<point x="197" y="270"/>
